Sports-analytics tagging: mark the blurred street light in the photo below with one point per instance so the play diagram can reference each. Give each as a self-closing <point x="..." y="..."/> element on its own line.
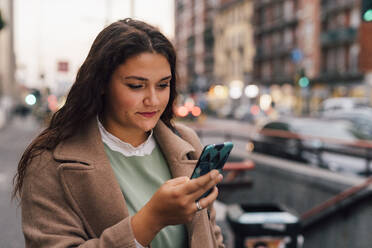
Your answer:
<point x="255" y="110"/>
<point x="220" y="91"/>
<point x="235" y="92"/>
<point x="30" y="99"/>
<point x="251" y="91"/>
<point x="265" y="102"/>
<point x="236" y="89"/>
<point x="196" y="111"/>
<point x="189" y="103"/>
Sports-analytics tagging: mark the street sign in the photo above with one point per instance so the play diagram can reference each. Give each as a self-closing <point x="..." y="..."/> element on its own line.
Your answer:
<point x="296" y="55"/>
<point x="62" y="66"/>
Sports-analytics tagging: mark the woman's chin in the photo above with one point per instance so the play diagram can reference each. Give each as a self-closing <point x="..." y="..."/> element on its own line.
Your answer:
<point x="148" y="127"/>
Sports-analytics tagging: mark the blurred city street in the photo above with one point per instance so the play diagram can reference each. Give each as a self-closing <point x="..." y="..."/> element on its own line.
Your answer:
<point x="289" y="82"/>
<point x="14" y="139"/>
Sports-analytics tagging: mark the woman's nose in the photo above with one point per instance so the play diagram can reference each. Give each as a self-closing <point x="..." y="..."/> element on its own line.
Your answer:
<point x="152" y="98"/>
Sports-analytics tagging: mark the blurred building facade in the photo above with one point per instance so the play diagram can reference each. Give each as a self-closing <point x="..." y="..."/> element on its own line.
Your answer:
<point x="323" y="42"/>
<point x="7" y="57"/>
<point x="340" y="48"/>
<point x="317" y="39"/>
<point x="234" y="46"/>
<point x="194" y="42"/>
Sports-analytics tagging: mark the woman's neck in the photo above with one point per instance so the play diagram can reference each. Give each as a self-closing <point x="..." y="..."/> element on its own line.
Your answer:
<point x="134" y="137"/>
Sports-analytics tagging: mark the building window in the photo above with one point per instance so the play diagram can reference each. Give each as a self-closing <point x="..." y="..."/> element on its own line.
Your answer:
<point x="208" y="40"/>
<point x="354" y="54"/>
<point x="266" y="72"/>
<point x="341" y="60"/>
<point x="355" y="18"/>
<point x="288" y="10"/>
<point x="288" y="68"/>
<point x="288" y="38"/>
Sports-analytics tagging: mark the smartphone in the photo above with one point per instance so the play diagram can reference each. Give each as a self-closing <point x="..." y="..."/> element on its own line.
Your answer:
<point x="213" y="156"/>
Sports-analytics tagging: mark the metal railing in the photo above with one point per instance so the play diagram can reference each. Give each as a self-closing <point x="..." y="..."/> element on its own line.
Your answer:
<point x="359" y="148"/>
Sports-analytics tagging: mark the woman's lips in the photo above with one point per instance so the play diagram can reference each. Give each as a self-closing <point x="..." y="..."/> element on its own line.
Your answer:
<point x="147" y="114"/>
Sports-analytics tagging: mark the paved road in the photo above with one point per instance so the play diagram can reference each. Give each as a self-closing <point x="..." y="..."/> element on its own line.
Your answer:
<point x="13" y="140"/>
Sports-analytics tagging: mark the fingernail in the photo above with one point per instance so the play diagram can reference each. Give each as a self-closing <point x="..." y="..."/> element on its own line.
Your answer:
<point x="220" y="177"/>
<point x="214" y="173"/>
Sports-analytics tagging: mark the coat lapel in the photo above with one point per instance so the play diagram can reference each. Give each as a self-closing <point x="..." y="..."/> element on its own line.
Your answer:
<point x="175" y="149"/>
<point x="88" y="180"/>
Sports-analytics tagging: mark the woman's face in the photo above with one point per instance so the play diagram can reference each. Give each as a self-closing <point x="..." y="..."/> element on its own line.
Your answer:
<point x="137" y="95"/>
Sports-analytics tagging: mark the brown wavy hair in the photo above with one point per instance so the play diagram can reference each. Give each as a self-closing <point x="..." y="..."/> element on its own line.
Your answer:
<point x="112" y="47"/>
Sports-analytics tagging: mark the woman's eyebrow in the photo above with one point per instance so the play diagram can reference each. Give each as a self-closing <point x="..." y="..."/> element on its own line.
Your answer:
<point x="145" y="79"/>
<point x="166" y="78"/>
<point x="137" y="78"/>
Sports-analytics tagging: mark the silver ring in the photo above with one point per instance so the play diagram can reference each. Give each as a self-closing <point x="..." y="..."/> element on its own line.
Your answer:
<point x="198" y="206"/>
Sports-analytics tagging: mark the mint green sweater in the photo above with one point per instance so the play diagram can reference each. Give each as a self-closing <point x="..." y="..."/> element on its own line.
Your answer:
<point x="139" y="178"/>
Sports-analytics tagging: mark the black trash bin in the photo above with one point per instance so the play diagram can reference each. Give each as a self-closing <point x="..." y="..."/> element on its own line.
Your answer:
<point x="264" y="226"/>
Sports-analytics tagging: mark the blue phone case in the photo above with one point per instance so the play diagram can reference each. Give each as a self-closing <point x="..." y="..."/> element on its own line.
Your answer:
<point x="213" y="156"/>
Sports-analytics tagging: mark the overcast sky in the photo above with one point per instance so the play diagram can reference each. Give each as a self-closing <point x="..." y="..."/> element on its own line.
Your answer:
<point x="48" y="31"/>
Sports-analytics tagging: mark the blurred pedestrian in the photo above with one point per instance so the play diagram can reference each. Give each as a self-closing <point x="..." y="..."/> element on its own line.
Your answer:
<point x="112" y="168"/>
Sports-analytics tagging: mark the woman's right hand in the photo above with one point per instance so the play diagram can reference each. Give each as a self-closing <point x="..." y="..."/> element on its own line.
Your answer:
<point x="174" y="203"/>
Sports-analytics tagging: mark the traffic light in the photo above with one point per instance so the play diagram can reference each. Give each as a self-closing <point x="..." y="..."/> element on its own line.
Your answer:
<point x="33" y="97"/>
<point x="302" y="80"/>
<point x="367" y="10"/>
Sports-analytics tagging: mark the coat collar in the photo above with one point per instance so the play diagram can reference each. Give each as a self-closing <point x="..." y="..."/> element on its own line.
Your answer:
<point x="87" y="146"/>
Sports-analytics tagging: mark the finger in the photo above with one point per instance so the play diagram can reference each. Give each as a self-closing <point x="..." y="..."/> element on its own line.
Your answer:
<point x="178" y="180"/>
<point x="208" y="200"/>
<point x="199" y="193"/>
<point x="202" y="184"/>
<point x="199" y="182"/>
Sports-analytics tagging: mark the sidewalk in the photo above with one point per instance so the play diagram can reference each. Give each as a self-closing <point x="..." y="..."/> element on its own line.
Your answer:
<point x="26" y="123"/>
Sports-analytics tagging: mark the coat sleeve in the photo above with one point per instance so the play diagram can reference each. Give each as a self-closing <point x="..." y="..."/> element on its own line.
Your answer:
<point x="190" y="136"/>
<point x="49" y="221"/>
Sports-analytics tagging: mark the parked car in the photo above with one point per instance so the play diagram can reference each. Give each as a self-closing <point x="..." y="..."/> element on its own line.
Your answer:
<point x="361" y="118"/>
<point x="343" y="103"/>
<point x="243" y="112"/>
<point x="324" y="143"/>
<point x="226" y="111"/>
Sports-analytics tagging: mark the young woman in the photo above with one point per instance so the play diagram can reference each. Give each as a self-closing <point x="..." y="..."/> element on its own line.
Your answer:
<point x="112" y="169"/>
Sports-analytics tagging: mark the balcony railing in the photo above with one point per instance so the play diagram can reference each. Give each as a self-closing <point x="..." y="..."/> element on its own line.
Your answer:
<point x="331" y="9"/>
<point x="334" y="76"/>
<point x="275" y="26"/>
<point x="279" y="50"/>
<point x="337" y="36"/>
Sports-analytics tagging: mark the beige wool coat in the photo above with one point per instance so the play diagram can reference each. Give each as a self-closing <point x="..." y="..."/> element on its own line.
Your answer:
<point x="71" y="198"/>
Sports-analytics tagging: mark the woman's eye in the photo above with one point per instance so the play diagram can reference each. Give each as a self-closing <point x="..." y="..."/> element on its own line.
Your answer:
<point x="134" y="86"/>
<point x="164" y="85"/>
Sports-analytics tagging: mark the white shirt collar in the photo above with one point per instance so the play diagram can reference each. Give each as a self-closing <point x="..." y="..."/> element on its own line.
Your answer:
<point x="126" y="149"/>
